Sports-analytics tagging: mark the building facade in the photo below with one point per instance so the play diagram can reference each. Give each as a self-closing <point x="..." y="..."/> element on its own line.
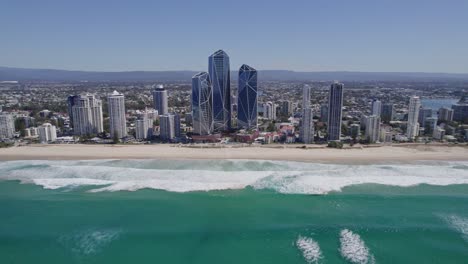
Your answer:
<point x="335" y="105"/>
<point x="160" y="100"/>
<point x="47" y="133"/>
<point x="86" y="113"/>
<point x="445" y="114"/>
<point x="118" y="122"/>
<point x="413" y="117"/>
<point x="307" y="123"/>
<point x="373" y="128"/>
<point x="7" y="126"/>
<point x="247" y="98"/>
<point x="202" y="104"/>
<point x="376" y="108"/>
<point x="169" y="126"/>
<point x="387" y="113"/>
<point x="220" y="75"/>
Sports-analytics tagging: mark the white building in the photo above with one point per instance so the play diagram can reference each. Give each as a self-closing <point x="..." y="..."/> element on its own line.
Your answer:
<point x="269" y="110"/>
<point x="47" y="133"/>
<point x="439" y="133"/>
<point x="373" y="128"/>
<point x="118" y="122"/>
<point x="413" y="115"/>
<point x="445" y="114"/>
<point x="87" y="115"/>
<point x="376" y="108"/>
<point x="7" y="126"/>
<point x="144" y="126"/>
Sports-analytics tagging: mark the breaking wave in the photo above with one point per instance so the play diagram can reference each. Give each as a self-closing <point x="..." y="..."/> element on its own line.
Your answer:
<point x="201" y="175"/>
<point x="310" y="249"/>
<point x="89" y="242"/>
<point x="459" y="224"/>
<point x="353" y="248"/>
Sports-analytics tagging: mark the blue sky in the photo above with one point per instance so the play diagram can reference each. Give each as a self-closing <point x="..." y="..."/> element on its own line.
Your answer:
<point x="308" y="35"/>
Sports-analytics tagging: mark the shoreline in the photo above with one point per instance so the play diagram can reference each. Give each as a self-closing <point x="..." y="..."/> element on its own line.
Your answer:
<point x="365" y="155"/>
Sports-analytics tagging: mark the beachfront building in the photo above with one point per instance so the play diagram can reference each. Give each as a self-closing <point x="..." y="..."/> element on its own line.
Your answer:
<point x="160" y="100"/>
<point x="47" y="133"/>
<point x="247" y="98"/>
<point x="307" y="126"/>
<point x="202" y="104"/>
<point x="144" y="126"/>
<point x="387" y="113"/>
<point x="118" y="122"/>
<point x="7" y="126"/>
<point x="335" y="105"/>
<point x="376" y="108"/>
<point x="86" y="113"/>
<point x="445" y="114"/>
<point x="430" y="125"/>
<point x="373" y="128"/>
<point x="220" y="76"/>
<point x="169" y="126"/>
<point x="413" y="115"/>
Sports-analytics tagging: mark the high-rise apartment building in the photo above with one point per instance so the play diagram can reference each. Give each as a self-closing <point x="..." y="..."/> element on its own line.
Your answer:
<point x="413" y="116"/>
<point x="377" y="108"/>
<point x="202" y="104"/>
<point x="387" y="113"/>
<point x="220" y="75"/>
<point x="47" y="133"/>
<point x="373" y="128"/>
<point x="160" y="99"/>
<point x="118" y="122"/>
<point x="247" y="98"/>
<point x="335" y="105"/>
<point x="86" y="113"/>
<point x="7" y="126"/>
<point x="307" y="123"/>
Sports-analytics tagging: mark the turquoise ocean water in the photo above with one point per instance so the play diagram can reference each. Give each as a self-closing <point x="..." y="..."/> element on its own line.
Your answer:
<point x="149" y="211"/>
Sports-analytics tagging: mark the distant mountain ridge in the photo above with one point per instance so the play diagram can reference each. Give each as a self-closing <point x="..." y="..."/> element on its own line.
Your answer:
<point x="23" y="74"/>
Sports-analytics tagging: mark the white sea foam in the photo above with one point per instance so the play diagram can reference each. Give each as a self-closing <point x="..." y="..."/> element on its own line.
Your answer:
<point x="353" y="248"/>
<point x="89" y="242"/>
<point x="184" y="176"/>
<point x="310" y="249"/>
<point x="458" y="223"/>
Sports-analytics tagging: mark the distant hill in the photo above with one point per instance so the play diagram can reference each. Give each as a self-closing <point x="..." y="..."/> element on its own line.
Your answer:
<point x="20" y="74"/>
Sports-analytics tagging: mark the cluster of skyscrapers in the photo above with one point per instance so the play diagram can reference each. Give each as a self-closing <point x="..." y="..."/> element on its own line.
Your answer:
<point x="211" y="97"/>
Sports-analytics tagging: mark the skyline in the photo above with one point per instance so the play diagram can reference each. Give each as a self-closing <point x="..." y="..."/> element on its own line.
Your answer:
<point x="299" y="36"/>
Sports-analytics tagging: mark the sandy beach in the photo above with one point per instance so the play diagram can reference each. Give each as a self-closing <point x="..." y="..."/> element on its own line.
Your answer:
<point x="162" y="151"/>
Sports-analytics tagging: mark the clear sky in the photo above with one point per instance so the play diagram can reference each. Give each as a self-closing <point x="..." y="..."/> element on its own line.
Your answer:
<point x="302" y="35"/>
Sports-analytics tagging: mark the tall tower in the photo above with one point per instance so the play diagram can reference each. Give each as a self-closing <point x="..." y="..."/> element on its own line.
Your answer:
<point x="118" y="123"/>
<point x="373" y="128"/>
<point x="376" y="108"/>
<point x="307" y="127"/>
<point x="247" y="98"/>
<point x="160" y="99"/>
<point x="86" y="111"/>
<point x="220" y="75"/>
<point x="202" y="104"/>
<point x="413" y="114"/>
<point x="335" y="105"/>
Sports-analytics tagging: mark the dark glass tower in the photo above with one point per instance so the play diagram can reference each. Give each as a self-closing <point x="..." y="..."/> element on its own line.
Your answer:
<point x="335" y="104"/>
<point x="202" y="117"/>
<point x="218" y="67"/>
<point x="247" y="98"/>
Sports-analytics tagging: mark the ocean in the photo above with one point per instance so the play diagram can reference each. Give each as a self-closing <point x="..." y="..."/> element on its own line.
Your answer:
<point x="232" y="211"/>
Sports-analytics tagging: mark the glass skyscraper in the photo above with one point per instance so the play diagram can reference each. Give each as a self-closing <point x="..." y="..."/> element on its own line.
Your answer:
<point x="335" y="105"/>
<point x="247" y="98"/>
<point x="218" y="68"/>
<point x="202" y="104"/>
